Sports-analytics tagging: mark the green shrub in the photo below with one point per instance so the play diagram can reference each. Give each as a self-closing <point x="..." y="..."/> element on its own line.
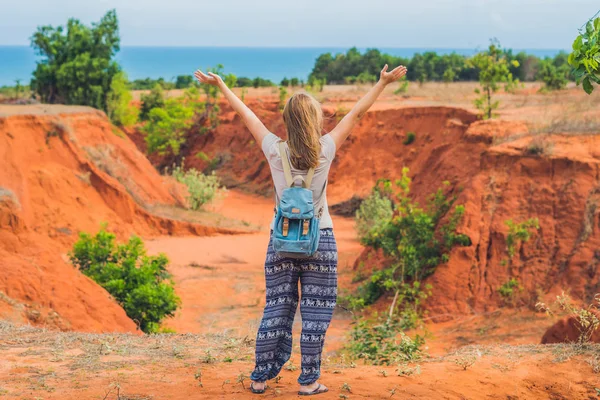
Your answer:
<point x="554" y="78"/>
<point x="519" y="233"/>
<point x="402" y="87"/>
<point x="410" y="137"/>
<point x="119" y="108"/>
<point x="382" y="342"/>
<point x="373" y="213"/>
<point x="410" y="239"/>
<point x="154" y="99"/>
<point x="166" y="127"/>
<point x="202" y="188"/>
<point x="508" y="290"/>
<point x="138" y="282"/>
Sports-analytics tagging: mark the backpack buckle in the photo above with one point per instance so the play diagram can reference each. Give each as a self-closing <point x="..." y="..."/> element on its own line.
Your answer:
<point x="286" y="226"/>
<point x="305" y="226"/>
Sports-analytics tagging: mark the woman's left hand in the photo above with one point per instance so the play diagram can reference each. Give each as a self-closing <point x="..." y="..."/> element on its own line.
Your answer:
<point x="209" y="79"/>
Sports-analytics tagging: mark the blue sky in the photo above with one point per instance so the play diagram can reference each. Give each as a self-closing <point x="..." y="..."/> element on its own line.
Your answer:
<point x="540" y="24"/>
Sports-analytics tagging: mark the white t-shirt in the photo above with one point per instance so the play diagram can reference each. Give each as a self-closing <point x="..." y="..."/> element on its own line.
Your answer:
<point x="270" y="146"/>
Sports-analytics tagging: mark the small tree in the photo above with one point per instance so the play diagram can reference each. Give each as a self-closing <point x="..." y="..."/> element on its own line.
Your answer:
<point x="119" y="108"/>
<point x="493" y="69"/>
<point x="285" y="82"/>
<point x="585" y="58"/>
<point x="155" y="99"/>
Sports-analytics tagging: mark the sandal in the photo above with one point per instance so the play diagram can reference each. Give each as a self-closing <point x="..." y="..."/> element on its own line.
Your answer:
<point x="257" y="391"/>
<point x="320" y="389"/>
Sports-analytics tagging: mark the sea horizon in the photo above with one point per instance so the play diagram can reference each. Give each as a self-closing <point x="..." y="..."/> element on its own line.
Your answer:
<point x="274" y="63"/>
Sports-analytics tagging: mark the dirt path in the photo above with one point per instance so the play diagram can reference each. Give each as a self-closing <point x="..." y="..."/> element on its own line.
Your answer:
<point x="220" y="279"/>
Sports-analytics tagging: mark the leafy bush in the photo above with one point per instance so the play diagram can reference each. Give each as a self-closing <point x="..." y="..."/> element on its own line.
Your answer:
<point x="382" y="342"/>
<point x="76" y="65"/>
<point x="410" y="236"/>
<point x="154" y="99"/>
<point x="119" y="108"/>
<point x="138" y="282"/>
<point x="586" y="317"/>
<point x="519" y="233"/>
<point x="585" y="58"/>
<point x="554" y="78"/>
<point x="410" y="137"/>
<point x="285" y="82"/>
<point x="202" y="188"/>
<point x="402" y="87"/>
<point x="294" y="82"/>
<point x="166" y="127"/>
<point x="373" y="213"/>
<point x="508" y="289"/>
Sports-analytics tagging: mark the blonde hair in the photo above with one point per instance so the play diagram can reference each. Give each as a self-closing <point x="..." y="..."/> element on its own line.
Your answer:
<point x="303" y="119"/>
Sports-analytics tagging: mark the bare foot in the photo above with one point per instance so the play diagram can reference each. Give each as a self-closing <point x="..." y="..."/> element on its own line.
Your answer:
<point x="259" y="385"/>
<point x="312" y="387"/>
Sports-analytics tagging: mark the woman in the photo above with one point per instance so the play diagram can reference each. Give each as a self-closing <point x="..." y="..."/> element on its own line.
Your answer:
<point x="306" y="148"/>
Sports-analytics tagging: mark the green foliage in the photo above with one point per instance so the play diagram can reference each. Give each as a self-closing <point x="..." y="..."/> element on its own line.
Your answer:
<point x="402" y="87"/>
<point x="449" y="75"/>
<point x="554" y="78"/>
<point x="202" y="188"/>
<point x="373" y="213"/>
<point x="149" y="84"/>
<point x="285" y="82"/>
<point x="409" y="237"/>
<point x="119" y="108"/>
<point x="294" y="82"/>
<point x="585" y="58"/>
<point x="508" y="290"/>
<point x="138" y="282"/>
<point x="366" y="77"/>
<point x="154" y="99"/>
<point x="184" y="81"/>
<point x="77" y="65"/>
<point x="166" y="127"/>
<point x="519" y="233"/>
<point x="282" y="97"/>
<point x="493" y="66"/>
<point x="382" y="342"/>
<point x="410" y="137"/>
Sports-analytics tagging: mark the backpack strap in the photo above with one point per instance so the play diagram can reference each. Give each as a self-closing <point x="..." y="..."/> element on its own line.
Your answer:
<point x="287" y="169"/>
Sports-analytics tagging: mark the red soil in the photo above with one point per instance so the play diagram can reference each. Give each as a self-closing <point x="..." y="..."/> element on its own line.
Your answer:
<point x="488" y="167"/>
<point x="62" y="174"/>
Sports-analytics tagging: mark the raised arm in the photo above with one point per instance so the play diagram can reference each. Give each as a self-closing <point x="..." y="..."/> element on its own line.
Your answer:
<point x="254" y="125"/>
<point x="343" y="129"/>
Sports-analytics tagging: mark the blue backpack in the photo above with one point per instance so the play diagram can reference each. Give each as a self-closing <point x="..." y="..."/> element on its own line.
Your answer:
<point x="296" y="231"/>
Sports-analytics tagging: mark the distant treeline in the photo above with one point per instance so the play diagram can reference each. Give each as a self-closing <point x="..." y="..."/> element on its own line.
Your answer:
<point x="357" y="67"/>
<point x="185" y="81"/>
<point x="354" y="67"/>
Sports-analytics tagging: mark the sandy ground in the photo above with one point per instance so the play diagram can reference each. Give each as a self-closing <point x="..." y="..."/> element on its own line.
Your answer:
<point x="220" y="279"/>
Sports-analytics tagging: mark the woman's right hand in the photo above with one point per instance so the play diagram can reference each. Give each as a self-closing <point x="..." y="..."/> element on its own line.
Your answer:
<point x="209" y="79"/>
<point x="393" y="75"/>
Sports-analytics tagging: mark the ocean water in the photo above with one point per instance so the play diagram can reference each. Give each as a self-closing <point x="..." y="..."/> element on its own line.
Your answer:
<point x="18" y="62"/>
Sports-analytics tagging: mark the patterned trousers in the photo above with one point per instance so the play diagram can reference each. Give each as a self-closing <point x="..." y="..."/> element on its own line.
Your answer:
<point x="318" y="282"/>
